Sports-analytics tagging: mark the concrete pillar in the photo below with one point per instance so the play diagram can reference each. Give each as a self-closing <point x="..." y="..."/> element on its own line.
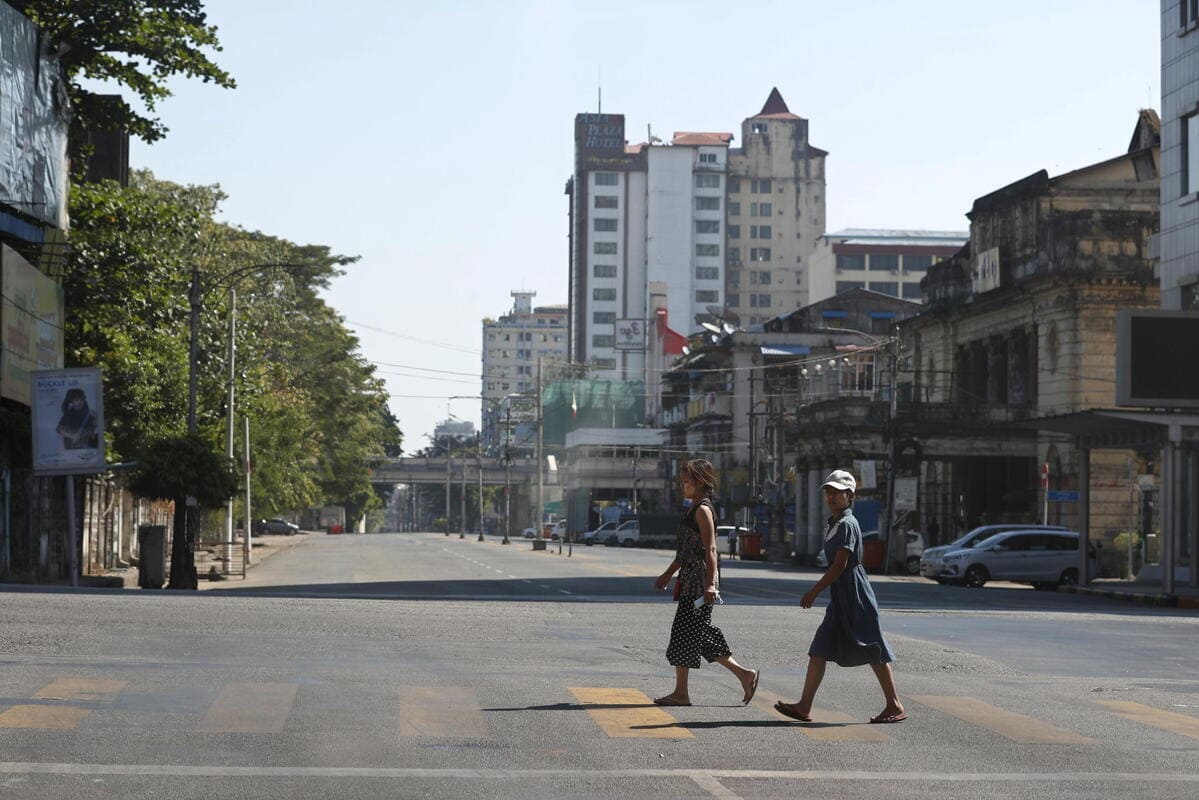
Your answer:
<point x="1171" y="512"/>
<point x="815" y="515"/>
<point x="1192" y="495"/>
<point x="1084" y="513"/>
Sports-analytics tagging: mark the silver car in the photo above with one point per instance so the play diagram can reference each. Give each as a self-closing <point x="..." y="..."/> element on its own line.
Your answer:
<point x="1040" y="557"/>
<point x="932" y="559"/>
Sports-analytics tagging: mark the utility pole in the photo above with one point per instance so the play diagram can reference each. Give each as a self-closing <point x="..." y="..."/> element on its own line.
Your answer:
<point x="249" y="519"/>
<point x="447" y="488"/>
<point x="540" y="457"/>
<point x="229" y="424"/>
<point x="892" y="447"/>
<point x="507" y="471"/>
<point x="479" y="459"/>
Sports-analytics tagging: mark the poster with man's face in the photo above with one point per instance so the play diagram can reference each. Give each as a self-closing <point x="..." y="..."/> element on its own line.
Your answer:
<point x="68" y="421"/>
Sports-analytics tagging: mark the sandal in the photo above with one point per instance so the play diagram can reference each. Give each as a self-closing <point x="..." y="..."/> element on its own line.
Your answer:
<point x="791" y="710"/>
<point x="753" y="687"/>
<point x="670" y="701"/>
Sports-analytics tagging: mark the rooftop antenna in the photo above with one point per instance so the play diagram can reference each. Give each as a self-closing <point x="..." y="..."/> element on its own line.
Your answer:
<point x="599" y="90"/>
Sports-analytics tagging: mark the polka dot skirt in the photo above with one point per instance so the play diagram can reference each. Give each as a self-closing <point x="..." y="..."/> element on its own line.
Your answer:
<point x="693" y="635"/>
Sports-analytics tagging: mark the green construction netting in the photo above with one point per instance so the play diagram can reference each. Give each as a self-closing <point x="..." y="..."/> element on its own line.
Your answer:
<point x="568" y="405"/>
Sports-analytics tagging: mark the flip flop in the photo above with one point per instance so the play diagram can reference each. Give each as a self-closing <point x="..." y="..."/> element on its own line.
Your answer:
<point x="788" y="710"/>
<point x="753" y="687"/>
<point x="669" y="701"/>
<point x="886" y="719"/>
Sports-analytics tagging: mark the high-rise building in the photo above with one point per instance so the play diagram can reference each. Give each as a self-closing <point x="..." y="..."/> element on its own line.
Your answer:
<point x="1178" y="242"/>
<point x="775" y="214"/>
<point x="513" y="346"/>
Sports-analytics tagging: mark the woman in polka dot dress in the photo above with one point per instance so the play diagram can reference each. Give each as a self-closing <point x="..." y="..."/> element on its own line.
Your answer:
<point x="693" y="635"/>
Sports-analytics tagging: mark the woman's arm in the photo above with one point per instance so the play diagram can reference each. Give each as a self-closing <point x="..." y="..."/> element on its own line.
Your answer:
<point x="707" y="535"/>
<point x="664" y="579"/>
<point x="834" y="571"/>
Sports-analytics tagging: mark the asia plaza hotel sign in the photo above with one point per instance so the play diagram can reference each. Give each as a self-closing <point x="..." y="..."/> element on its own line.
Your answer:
<point x="600" y="143"/>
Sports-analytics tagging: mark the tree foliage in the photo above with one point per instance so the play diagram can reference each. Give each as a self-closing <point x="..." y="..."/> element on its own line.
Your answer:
<point x="318" y="413"/>
<point x="139" y="44"/>
<point x="185" y="466"/>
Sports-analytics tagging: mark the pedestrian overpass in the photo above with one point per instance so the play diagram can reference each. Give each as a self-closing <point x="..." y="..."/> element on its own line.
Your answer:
<point x="435" y="470"/>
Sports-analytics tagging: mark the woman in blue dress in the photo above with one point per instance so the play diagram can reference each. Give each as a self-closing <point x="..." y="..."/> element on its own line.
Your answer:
<point x="850" y="634"/>
<point x="693" y="636"/>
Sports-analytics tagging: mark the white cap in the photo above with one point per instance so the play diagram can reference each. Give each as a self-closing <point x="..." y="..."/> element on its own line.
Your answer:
<point x="841" y="480"/>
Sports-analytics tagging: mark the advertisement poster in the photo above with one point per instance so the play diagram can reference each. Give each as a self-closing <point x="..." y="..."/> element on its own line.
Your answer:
<point x="68" y="421"/>
<point x="31" y="319"/>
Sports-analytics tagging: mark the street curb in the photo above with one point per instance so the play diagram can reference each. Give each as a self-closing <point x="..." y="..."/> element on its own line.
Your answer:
<point x="1152" y="599"/>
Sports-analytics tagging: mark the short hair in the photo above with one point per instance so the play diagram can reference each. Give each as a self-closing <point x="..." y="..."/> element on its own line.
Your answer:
<point x="701" y="471"/>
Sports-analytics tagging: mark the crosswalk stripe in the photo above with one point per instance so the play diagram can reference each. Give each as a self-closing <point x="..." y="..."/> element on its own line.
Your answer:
<point x="450" y="712"/>
<point x="1017" y="727"/>
<point x="250" y="708"/>
<point x="622" y="713"/>
<point x="80" y="689"/>
<point x="826" y="725"/>
<point x="61" y="718"/>
<point x="1171" y="721"/>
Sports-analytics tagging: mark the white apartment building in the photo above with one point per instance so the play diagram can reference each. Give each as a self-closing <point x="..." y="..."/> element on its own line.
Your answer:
<point x="512" y="347"/>
<point x="775" y="214"/>
<point x="890" y="262"/>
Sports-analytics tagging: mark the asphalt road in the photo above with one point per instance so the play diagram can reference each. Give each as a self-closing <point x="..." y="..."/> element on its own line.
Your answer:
<point x="425" y="666"/>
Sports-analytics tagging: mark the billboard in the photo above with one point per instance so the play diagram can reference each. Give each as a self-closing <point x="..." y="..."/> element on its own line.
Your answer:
<point x="630" y="334"/>
<point x="31" y="320"/>
<point x="600" y="143"/>
<point x="68" y="421"/>
<point x="1156" y="354"/>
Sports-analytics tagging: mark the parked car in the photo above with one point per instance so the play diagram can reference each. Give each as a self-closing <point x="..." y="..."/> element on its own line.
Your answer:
<point x="529" y="533"/>
<point x="598" y="535"/>
<point x="911" y="559"/>
<point x="726" y="538"/>
<point x="1041" y="557"/>
<point x="932" y="559"/>
<point x="276" y="525"/>
<point x="558" y="532"/>
<point x="627" y="534"/>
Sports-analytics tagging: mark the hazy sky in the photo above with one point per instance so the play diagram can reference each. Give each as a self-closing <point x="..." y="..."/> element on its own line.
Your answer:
<point x="435" y="139"/>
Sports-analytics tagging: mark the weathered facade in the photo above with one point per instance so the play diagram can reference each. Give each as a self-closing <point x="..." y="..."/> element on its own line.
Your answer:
<point x="1021" y="326"/>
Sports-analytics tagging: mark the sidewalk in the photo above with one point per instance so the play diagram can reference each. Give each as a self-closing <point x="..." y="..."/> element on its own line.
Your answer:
<point x="1143" y="594"/>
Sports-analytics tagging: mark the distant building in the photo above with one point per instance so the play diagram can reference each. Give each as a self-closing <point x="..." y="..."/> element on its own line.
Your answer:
<point x="458" y="431"/>
<point x="775" y="214"/>
<point x="1178" y="242"/>
<point x="885" y="261"/>
<point x="513" y="345"/>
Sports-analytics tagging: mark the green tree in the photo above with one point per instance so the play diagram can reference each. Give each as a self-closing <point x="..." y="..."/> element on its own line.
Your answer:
<point x="139" y="44"/>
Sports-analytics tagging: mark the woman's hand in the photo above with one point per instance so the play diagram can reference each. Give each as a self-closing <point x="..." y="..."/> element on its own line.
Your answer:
<point x="662" y="581"/>
<point x="710" y="594"/>
<point x="809" y="598"/>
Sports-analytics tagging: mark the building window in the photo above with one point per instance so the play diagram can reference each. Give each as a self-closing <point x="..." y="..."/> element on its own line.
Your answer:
<point x="604" y="270"/>
<point x="735" y="278"/>
<point x="607" y="201"/>
<point x="707" y="273"/>
<point x="845" y="286"/>
<point x="707" y="250"/>
<point x="734" y="185"/>
<point x="707" y="296"/>
<point x="885" y="287"/>
<point x="761" y="209"/>
<point x="604" y="248"/>
<point x="880" y="262"/>
<point x="759" y="231"/>
<point x="759" y="254"/>
<point x="759" y="277"/>
<point x="603" y="294"/>
<point x="734" y="255"/>
<point x="604" y="225"/>
<point x="734" y="300"/>
<point x="758" y="127"/>
<point x="1188" y="13"/>
<point x="921" y="263"/>
<point x="707" y="204"/>
<point x="759" y="301"/>
<point x="911" y="291"/>
<point x="1190" y="155"/>
<point x="604" y="363"/>
<point x="734" y="209"/>
<point x="1189" y="297"/>
<point x="607" y="179"/>
<point x="707" y="226"/>
<point x="734" y="231"/>
<point x="603" y="340"/>
<point x="706" y="180"/>
<point x="880" y="325"/>
<point x="761" y="186"/>
<point x="850" y="262"/>
<point x="707" y="158"/>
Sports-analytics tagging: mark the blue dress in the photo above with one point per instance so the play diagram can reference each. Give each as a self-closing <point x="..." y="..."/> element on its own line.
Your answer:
<point x="850" y="634"/>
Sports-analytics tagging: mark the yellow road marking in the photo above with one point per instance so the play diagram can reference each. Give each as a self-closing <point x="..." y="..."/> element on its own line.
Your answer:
<point x="1017" y="727"/>
<point x="1171" y="721"/>
<point x="80" y="689"/>
<point x="60" y="718"/>
<point x="826" y="725"/>
<point x="441" y="711"/>
<point x="624" y="713"/>
<point x="250" y="708"/>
